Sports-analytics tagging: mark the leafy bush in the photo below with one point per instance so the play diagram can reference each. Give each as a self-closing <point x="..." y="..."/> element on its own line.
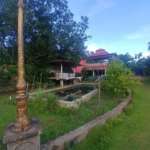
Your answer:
<point x="38" y="102"/>
<point x="7" y="72"/>
<point x="118" y="79"/>
<point x="70" y="98"/>
<point x="51" y="101"/>
<point x="42" y="102"/>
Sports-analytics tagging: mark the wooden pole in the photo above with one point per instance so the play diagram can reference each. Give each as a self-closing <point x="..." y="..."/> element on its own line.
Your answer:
<point x="61" y="80"/>
<point x="22" y="122"/>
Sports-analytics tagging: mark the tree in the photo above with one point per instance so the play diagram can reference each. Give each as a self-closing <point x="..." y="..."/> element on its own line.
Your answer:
<point x="126" y="58"/>
<point x="119" y="79"/>
<point x="148" y="45"/>
<point x="50" y="33"/>
<point x="8" y="11"/>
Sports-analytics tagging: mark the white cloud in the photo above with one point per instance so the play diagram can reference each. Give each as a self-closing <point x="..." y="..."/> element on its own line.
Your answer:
<point x="146" y="53"/>
<point x="99" y="6"/>
<point x="141" y="33"/>
<point x="92" y="47"/>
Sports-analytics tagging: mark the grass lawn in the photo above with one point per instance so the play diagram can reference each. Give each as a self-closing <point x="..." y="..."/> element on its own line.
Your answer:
<point x="130" y="131"/>
<point x="58" y="121"/>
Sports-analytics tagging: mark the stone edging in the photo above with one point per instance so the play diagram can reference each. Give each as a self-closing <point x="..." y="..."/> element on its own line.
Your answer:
<point x="60" y="88"/>
<point x="80" y="133"/>
<point x="76" y="103"/>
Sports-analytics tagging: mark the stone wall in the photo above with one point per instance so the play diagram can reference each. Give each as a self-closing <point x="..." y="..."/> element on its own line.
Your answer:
<point x="76" y="103"/>
<point x="80" y="133"/>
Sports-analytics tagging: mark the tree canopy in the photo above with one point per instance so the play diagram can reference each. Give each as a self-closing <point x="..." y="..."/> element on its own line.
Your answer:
<point x="50" y="32"/>
<point x="138" y="64"/>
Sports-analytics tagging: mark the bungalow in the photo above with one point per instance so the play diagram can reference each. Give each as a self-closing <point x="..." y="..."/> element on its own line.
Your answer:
<point x="96" y="64"/>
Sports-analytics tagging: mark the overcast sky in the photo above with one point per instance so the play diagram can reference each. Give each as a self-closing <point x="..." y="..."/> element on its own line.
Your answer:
<point x="117" y="25"/>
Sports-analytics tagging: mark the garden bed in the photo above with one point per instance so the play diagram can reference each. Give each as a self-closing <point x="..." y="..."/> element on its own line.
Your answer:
<point x="77" y="101"/>
<point x="77" y="135"/>
<point x="56" y="121"/>
<point x="72" y="97"/>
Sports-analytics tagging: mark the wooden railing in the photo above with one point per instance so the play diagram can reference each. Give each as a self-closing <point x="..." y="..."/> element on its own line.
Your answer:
<point x="65" y="76"/>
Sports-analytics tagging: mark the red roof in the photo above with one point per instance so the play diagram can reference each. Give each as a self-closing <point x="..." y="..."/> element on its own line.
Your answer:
<point x="99" y="54"/>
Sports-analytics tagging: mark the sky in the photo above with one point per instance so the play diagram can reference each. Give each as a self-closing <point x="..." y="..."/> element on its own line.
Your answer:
<point x="116" y="25"/>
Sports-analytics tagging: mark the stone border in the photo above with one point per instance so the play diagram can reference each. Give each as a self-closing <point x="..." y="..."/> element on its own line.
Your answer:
<point x="80" y="133"/>
<point x="61" y="88"/>
<point x="76" y="103"/>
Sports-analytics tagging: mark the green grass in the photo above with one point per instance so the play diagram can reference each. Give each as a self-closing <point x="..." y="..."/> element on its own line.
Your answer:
<point x="130" y="131"/>
<point x="57" y="121"/>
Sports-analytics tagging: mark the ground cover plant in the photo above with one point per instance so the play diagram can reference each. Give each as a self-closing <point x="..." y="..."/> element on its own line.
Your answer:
<point x="55" y="121"/>
<point x="130" y="131"/>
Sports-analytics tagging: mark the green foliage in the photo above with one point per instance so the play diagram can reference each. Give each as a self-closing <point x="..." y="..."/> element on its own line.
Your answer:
<point x="138" y="64"/>
<point x="38" y="102"/>
<point x="148" y="45"/>
<point x="127" y="132"/>
<point x="70" y="98"/>
<point x="118" y="79"/>
<point x="55" y="121"/>
<point x="88" y="76"/>
<point x="50" y="33"/>
<point x="51" y="102"/>
<point x="42" y="102"/>
<point x="7" y="73"/>
<point x="86" y="88"/>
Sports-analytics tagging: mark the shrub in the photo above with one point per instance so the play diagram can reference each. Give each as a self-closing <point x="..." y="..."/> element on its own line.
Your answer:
<point x="42" y="102"/>
<point x="7" y="72"/>
<point x="70" y="98"/>
<point x="38" y="102"/>
<point x="51" y="101"/>
<point x="118" y="79"/>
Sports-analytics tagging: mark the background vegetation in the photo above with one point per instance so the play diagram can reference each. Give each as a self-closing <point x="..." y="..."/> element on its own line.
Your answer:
<point x="119" y="79"/>
<point x="55" y="121"/>
<point x="50" y="33"/>
<point x="127" y="132"/>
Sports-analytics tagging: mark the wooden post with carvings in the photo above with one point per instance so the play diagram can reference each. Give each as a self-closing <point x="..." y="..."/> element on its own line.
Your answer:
<point x="23" y="134"/>
<point x="22" y="122"/>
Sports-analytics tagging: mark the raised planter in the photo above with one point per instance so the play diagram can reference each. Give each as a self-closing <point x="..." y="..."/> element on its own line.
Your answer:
<point x="61" y="88"/>
<point x="80" y="133"/>
<point x="77" y="102"/>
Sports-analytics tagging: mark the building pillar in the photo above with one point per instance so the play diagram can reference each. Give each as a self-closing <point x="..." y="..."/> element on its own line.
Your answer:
<point x="61" y="68"/>
<point x="93" y="73"/>
<point x="61" y="83"/>
<point x="61" y="77"/>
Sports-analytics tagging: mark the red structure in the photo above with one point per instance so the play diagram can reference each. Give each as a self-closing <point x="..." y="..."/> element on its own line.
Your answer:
<point x="84" y="66"/>
<point x="96" y="63"/>
<point x="101" y="55"/>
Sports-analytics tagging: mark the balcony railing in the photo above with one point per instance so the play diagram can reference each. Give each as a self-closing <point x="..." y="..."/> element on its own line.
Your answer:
<point x="65" y="76"/>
